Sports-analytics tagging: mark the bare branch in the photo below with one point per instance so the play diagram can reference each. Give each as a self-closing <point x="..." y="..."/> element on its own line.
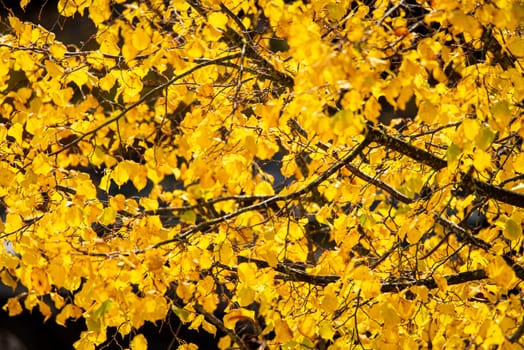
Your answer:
<point x="142" y="100"/>
<point x="425" y="157"/>
<point x="297" y="273"/>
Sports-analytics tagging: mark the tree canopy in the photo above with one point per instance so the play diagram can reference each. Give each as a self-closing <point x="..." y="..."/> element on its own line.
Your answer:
<point x="340" y="174"/>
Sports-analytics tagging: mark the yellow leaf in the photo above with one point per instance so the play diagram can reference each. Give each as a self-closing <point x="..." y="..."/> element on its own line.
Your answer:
<point x="206" y="90"/>
<point x="245" y="295"/>
<point x="389" y="314"/>
<point x="247" y="272"/>
<point x="185" y="290"/>
<point x="471" y="128"/>
<point x="308" y="326"/>
<point x="57" y="274"/>
<point x="118" y="175"/>
<point x="283" y="332"/>
<point x="427" y="112"/>
<point x="31" y="301"/>
<point x="130" y="82"/>
<point x="7" y="278"/>
<point x="108" y="216"/>
<point x="67" y="8"/>
<point x="372" y="109"/>
<point x="107" y="82"/>
<point x="118" y="202"/>
<point x="463" y="23"/>
<point x="40" y="281"/>
<point x="481" y="160"/>
<point x="226" y="255"/>
<point x="58" y="300"/>
<point x="218" y="20"/>
<point x="352" y="100"/>
<point x="84" y="344"/>
<point x="24" y="3"/>
<point x="41" y="165"/>
<point x="139" y="342"/>
<point x="367" y="282"/>
<point x="149" y="203"/>
<point x="231" y="318"/>
<point x="80" y="77"/>
<point x="58" y="50"/>
<point x="326" y="330"/>
<point x="154" y="260"/>
<point x="405" y="308"/>
<point x="13" y="306"/>
<point x="516" y="46"/>
<point x="518" y="162"/>
<point x="99" y="11"/>
<point x="53" y="69"/>
<point x="62" y="97"/>
<point x="94" y="321"/>
<point x="208" y="327"/>
<point x="264" y="188"/>
<point x="209" y="302"/>
<point x="503" y="274"/>
<point x="347" y="123"/>
<point x="494" y="335"/>
<point x="45" y="310"/>
<point x="224" y="343"/>
<point x="69" y="311"/>
<point x="140" y="39"/>
<point x="335" y="11"/>
<point x="329" y="301"/>
<point x="441" y="282"/>
<point x="196" y="49"/>
<point x="16" y="131"/>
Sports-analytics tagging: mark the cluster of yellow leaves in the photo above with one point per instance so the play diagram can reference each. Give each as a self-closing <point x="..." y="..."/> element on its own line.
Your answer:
<point x="173" y="103"/>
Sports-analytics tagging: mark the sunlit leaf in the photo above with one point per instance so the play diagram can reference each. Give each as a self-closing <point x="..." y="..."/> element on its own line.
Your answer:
<point x="13" y="306"/>
<point x="304" y="174"/>
<point x="233" y="316"/>
<point x="139" y="342"/>
<point x="471" y="128"/>
<point x="218" y="20"/>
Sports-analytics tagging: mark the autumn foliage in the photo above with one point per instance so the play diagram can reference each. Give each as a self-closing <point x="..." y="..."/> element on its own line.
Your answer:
<point x="342" y="174"/>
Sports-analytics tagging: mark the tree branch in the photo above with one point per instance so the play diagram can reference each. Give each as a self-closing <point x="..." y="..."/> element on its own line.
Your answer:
<point x="461" y="277"/>
<point x="297" y="273"/>
<point x="400" y="146"/>
<point x="142" y="100"/>
<point x="427" y="158"/>
<point x="518" y="333"/>
<point x="267" y="202"/>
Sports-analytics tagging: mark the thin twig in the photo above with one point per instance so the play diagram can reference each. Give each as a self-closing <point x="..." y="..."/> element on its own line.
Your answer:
<point x="142" y="100"/>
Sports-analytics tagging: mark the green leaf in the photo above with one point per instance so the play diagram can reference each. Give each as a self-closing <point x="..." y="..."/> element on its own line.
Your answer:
<point x="93" y="324"/>
<point x="188" y="217"/>
<point x="512" y="230"/>
<point x="182" y="314"/>
<point x="484" y="138"/>
<point x="453" y="153"/>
